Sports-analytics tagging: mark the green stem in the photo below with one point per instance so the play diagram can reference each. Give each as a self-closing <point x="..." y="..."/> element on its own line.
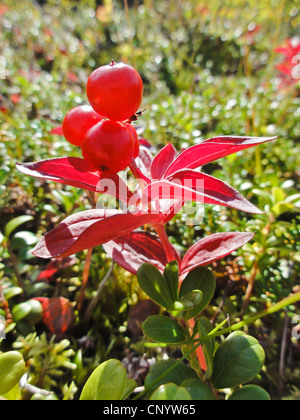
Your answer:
<point x="167" y="371"/>
<point x="273" y="309"/>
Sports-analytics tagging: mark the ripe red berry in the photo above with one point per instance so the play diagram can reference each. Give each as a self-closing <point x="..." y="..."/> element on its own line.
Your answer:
<point x="136" y="142"/>
<point x="78" y="121"/>
<point x="109" y="147"/>
<point x="115" y="91"/>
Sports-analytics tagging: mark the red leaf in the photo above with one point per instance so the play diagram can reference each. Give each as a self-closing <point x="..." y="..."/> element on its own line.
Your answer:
<point x="58" y="131"/>
<point x="88" y="229"/>
<point x="189" y="185"/>
<point x="77" y="173"/>
<point x="136" y="249"/>
<point x="58" y="314"/>
<point x="143" y="164"/>
<point x="213" y="149"/>
<point x="162" y="161"/>
<point x="213" y="248"/>
<point x="53" y="267"/>
<point x="145" y="143"/>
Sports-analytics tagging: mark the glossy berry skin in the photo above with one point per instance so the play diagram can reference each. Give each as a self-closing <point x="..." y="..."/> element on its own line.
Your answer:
<point x="77" y="123"/>
<point x="115" y="91"/>
<point x="108" y="147"/>
<point x="136" y="142"/>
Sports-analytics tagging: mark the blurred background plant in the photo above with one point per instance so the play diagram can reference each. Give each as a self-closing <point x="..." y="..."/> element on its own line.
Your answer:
<point x="209" y="69"/>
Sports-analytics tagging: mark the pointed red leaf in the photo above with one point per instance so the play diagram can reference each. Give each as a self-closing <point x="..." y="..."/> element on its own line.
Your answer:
<point x="77" y="173"/>
<point x="58" y="314"/>
<point x="143" y="164"/>
<point x="162" y="161"/>
<point x="213" y="248"/>
<point x="54" y="267"/>
<point x="213" y="149"/>
<point x="136" y="249"/>
<point x="189" y="185"/>
<point x="88" y="229"/>
<point x="58" y="131"/>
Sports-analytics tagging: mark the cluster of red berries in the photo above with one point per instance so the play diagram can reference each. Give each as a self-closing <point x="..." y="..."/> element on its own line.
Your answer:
<point x="103" y="130"/>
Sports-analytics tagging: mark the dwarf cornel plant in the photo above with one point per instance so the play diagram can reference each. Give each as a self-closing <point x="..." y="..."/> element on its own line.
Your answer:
<point x="182" y="286"/>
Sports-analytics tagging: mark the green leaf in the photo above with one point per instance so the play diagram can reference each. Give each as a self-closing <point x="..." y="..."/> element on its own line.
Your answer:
<point x="171" y="392"/>
<point x="166" y="371"/>
<point x="188" y="302"/>
<point x="15" y="223"/>
<point x="155" y="285"/>
<point x="12" y="368"/>
<point x="107" y="382"/>
<point x="202" y="279"/>
<point x="198" y="390"/>
<point x="11" y="292"/>
<point x="238" y="360"/>
<point x="129" y="388"/>
<point x="250" y="393"/>
<point x="163" y="329"/>
<point x="23" y="239"/>
<point x="208" y="347"/>
<point x="20" y="311"/>
<point x="171" y="275"/>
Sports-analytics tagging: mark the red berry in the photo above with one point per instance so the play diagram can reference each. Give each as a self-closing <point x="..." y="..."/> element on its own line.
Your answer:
<point x="115" y="91"/>
<point x="78" y="121"/>
<point x="136" y="142"/>
<point x="108" y="146"/>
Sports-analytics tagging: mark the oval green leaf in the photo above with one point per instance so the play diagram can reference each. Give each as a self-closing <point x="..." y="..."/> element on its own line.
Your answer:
<point x="202" y="279"/>
<point x="163" y="329"/>
<point x="198" y="390"/>
<point x="155" y="285"/>
<point x="188" y="302"/>
<point x="107" y="382"/>
<point x="20" y="311"/>
<point x="166" y="371"/>
<point x="12" y="368"/>
<point x="15" y="223"/>
<point x="171" y="392"/>
<point x="250" y="393"/>
<point x="171" y="275"/>
<point x="238" y="360"/>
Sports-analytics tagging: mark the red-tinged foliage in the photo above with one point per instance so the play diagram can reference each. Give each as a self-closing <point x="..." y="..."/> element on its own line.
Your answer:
<point x="213" y="248"/>
<point x="162" y="161"/>
<point x="136" y="249"/>
<point x="3" y="9"/>
<point x="77" y="173"/>
<point x="54" y="267"/>
<point x="213" y="149"/>
<point x="145" y="143"/>
<point x="89" y="229"/>
<point x="58" y="314"/>
<point x="131" y="251"/>
<point x="157" y="202"/>
<point x="57" y="131"/>
<point x="196" y="186"/>
<point x="290" y="61"/>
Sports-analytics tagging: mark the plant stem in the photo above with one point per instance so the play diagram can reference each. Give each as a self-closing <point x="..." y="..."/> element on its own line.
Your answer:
<point x="85" y="277"/>
<point x="160" y="229"/>
<point x="273" y="309"/>
<point x="94" y="301"/>
<point x="193" y="348"/>
<point x="128" y="28"/>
